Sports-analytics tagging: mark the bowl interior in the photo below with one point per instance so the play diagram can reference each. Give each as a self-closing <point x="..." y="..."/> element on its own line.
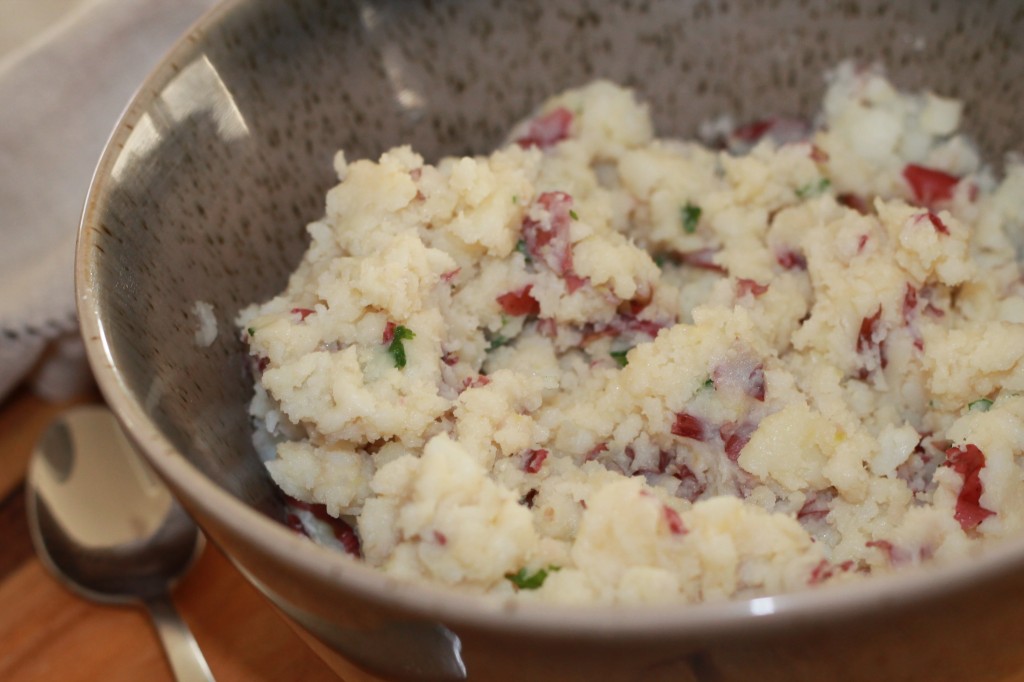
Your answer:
<point x="225" y="153"/>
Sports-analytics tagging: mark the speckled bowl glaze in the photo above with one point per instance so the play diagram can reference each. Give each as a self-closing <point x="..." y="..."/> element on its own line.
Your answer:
<point x="225" y="154"/>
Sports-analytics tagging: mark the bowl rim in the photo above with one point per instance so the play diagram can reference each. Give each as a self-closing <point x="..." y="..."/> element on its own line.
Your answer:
<point x="454" y="607"/>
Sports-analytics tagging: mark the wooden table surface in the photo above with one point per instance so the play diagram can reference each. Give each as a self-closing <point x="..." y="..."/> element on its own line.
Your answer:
<point x="47" y="633"/>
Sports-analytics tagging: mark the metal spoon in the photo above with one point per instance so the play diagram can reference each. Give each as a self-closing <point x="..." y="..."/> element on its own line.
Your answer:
<point x="106" y="527"/>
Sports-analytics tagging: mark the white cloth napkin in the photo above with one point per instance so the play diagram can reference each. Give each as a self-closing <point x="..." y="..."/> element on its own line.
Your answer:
<point x="62" y="92"/>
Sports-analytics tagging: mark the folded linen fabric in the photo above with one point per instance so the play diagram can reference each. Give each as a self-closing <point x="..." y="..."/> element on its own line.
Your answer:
<point x="63" y="90"/>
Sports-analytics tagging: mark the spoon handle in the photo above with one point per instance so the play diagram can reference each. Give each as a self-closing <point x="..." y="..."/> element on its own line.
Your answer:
<point x="182" y="651"/>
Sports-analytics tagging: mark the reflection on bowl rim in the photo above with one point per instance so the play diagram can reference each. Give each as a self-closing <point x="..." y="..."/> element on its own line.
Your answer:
<point x="906" y="587"/>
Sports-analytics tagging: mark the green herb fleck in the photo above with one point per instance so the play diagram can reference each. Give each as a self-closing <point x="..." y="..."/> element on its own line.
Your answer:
<point x="397" y="348"/>
<point x="573" y="214"/>
<point x="252" y="331"/>
<point x="525" y="580"/>
<point x="521" y="248"/>
<point x="813" y="189"/>
<point x="979" y="405"/>
<point x="497" y="342"/>
<point x="709" y="383"/>
<point x="515" y="198"/>
<point x="660" y="260"/>
<point x="690" y="215"/>
<point x="620" y="356"/>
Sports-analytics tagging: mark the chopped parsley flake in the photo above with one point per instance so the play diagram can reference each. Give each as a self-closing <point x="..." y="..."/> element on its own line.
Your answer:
<point x="813" y="189"/>
<point x="521" y="248"/>
<point x="497" y="342"/>
<point x="515" y="198"/>
<point x="709" y="383"/>
<point x="690" y="215"/>
<point x="397" y="348"/>
<point x="525" y="580"/>
<point x="979" y="405"/>
<point x="573" y="214"/>
<point x="620" y="357"/>
<point x="252" y="331"/>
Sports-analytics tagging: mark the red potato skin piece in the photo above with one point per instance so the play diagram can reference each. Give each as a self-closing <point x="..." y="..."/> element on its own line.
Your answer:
<point x="636" y="305"/>
<point x="628" y="323"/>
<point x="595" y="451"/>
<point x="703" y="259"/>
<point x="623" y="324"/>
<point x="664" y="461"/>
<point x="886" y="547"/>
<point x="791" y="260"/>
<point x="674" y="521"/>
<point x="747" y="376"/>
<point x="909" y="302"/>
<point x="866" y="341"/>
<point x="551" y="245"/>
<point x="867" y="331"/>
<point x="345" y="534"/>
<point x="535" y="460"/>
<point x="968" y="461"/>
<point x="573" y="281"/>
<point x="520" y="302"/>
<point x="909" y="313"/>
<point x="782" y="129"/>
<point x="734" y="444"/>
<point x="897" y="555"/>
<point x="688" y="426"/>
<point x="748" y="286"/>
<point x="548" y="129"/>
<point x="937" y="223"/>
<point x="755" y="384"/>
<point x="293" y="521"/>
<point x="826" y="569"/>
<point x="753" y="131"/>
<point x="817" y="154"/>
<point x="475" y="381"/>
<point x="735" y="437"/>
<point x="695" y="488"/>
<point x="547" y="327"/>
<point x="929" y="185"/>
<point x="822" y="572"/>
<point x="535" y="236"/>
<point x="856" y="202"/>
<point x="388" y="335"/>
<point x="813" y="508"/>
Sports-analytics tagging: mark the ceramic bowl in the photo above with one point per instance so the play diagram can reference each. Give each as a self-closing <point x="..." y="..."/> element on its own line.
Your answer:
<point x="225" y="154"/>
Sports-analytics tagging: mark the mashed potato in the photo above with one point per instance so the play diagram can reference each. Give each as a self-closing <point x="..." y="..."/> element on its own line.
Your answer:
<point x="597" y="366"/>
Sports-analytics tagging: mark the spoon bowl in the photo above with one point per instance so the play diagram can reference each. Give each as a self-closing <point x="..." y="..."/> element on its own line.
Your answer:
<point x="107" y="528"/>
